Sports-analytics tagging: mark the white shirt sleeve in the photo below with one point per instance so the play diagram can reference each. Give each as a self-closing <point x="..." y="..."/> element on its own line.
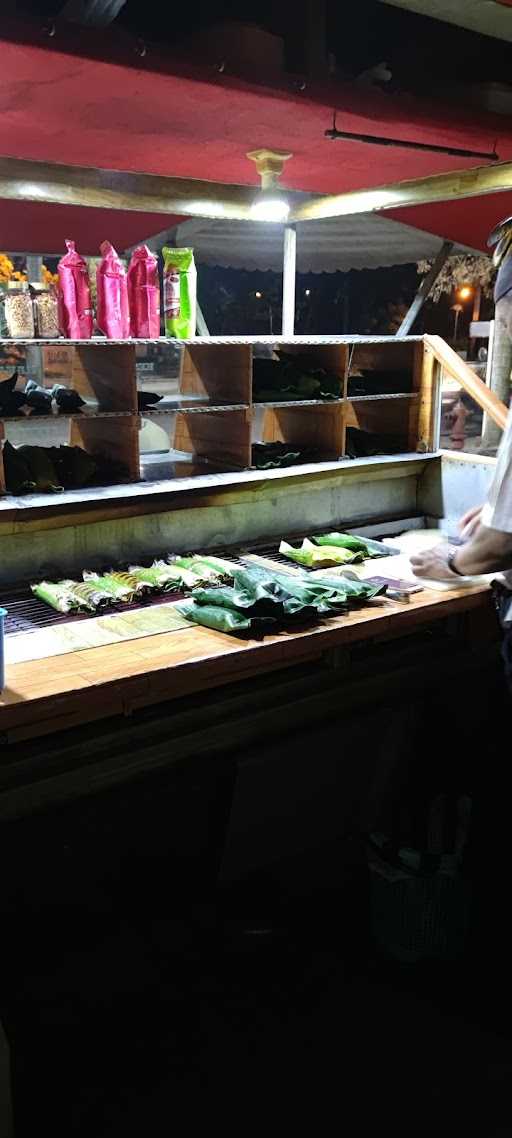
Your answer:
<point x="497" y="512"/>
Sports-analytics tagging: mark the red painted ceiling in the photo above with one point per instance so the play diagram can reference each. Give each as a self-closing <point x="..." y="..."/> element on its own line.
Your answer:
<point x="469" y="221"/>
<point x="59" y="106"/>
<point x="38" y="228"/>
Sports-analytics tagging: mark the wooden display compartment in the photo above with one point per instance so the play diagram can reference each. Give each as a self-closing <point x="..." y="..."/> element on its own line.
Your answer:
<point x="220" y="373"/>
<point x="392" y="418"/>
<point x="390" y="368"/>
<point x="115" y="438"/>
<point x="105" y="375"/>
<point x="112" y="437"/>
<point x="218" y="438"/>
<point x="332" y="357"/>
<point x="408" y="419"/>
<point x="319" y="427"/>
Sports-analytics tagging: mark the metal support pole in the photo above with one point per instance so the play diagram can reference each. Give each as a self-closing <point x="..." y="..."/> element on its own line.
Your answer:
<point x="289" y="272"/>
<point x="201" y="325"/>
<point x="425" y="288"/>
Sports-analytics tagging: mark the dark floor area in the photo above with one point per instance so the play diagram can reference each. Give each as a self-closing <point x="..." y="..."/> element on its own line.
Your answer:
<point x="267" y="1003"/>
<point x="143" y="991"/>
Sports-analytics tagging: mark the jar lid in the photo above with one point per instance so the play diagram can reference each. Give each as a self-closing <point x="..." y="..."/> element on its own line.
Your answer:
<point x="23" y="285"/>
<point x="37" y="286"/>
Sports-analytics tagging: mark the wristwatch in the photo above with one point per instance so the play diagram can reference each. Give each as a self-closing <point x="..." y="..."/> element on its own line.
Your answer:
<point x="450" y="561"/>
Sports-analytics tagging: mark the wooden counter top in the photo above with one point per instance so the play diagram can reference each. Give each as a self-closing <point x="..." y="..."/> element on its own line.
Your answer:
<point x="43" y="696"/>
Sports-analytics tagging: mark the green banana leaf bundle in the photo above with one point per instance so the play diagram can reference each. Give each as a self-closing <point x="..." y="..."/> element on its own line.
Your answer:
<point x="205" y="569"/>
<point x="214" y="616"/>
<point x="42" y="469"/>
<point x="261" y="595"/>
<point x="348" y="541"/>
<point x="220" y="565"/>
<point x="159" y="576"/>
<point x="74" y="466"/>
<point x="326" y="595"/>
<point x="89" y="598"/>
<point x="18" y="476"/>
<point x="343" y="540"/>
<point x="58" y="596"/>
<point x="292" y="377"/>
<point x="319" y="557"/>
<point x="123" y="587"/>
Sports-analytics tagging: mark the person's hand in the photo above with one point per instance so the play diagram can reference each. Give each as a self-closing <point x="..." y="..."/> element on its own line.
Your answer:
<point x="470" y="521"/>
<point x="433" y="563"/>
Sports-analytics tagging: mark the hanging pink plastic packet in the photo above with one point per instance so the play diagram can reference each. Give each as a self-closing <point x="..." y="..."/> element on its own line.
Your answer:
<point x="144" y="294"/>
<point x="113" y="313"/>
<point x="75" y="307"/>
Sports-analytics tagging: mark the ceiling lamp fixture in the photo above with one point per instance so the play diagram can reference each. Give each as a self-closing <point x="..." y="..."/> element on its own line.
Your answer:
<point x="270" y="204"/>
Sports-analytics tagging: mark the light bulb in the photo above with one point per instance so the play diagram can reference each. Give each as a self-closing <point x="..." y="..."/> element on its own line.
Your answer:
<point x="270" y="207"/>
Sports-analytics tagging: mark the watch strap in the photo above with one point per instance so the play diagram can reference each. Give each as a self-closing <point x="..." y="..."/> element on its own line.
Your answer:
<point x="450" y="561"/>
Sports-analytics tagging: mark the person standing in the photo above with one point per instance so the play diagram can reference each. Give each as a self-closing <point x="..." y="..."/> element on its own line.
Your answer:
<point x="487" y="529"/>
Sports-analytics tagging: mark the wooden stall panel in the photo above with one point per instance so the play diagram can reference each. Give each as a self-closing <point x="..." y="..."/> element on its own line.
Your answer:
<point x="106" y="374"/>
<point x="220" y="372"/>
<point x="319" y="428"/>
<point x="115" y="438"/>
<point x="222" y="438"/>
<point x="387" y="419"/>
<point x="423" y="412"/>
<point x="57" y="364"/>
<point x="2" y="472"/>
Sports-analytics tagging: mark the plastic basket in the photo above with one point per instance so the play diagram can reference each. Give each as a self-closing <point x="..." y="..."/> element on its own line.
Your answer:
<point x="418" y="917"/>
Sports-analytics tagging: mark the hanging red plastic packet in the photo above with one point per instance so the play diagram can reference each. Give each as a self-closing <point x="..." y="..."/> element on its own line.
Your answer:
<point x="144" y="294"/>
<point x="75" y="306"/>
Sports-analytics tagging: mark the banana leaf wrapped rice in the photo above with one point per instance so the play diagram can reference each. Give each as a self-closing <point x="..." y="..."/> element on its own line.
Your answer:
<point x="320" y="557"/>
<point x="269" y="597"/>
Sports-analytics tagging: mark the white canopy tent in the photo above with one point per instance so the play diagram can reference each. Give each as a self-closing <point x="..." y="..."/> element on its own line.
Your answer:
<point x="360" y="241"/>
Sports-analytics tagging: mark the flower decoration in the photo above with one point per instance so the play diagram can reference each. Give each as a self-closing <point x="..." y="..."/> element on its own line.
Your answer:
<point x="47" y="277"/>
<point x="8" y="272"/>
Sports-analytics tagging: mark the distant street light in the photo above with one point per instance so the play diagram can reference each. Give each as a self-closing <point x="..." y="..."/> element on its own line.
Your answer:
<point x="457" y="309"/>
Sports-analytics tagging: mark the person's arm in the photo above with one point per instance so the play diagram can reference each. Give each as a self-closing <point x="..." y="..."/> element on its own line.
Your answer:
<point x="489" y="551"/>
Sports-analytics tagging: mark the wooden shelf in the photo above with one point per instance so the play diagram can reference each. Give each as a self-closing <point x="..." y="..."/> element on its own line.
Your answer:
<point x="185" y="408"/>
<point x="213" y="420"/>
<point x="33" y="420"/>
<point x="107" y="380"/>
<point x="297" y="402"/>
<point x="197" y="341"/>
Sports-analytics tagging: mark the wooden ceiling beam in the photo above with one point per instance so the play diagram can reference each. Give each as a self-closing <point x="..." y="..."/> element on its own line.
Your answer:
<point x="420" y="191"/>
<point x="25" y="180"/>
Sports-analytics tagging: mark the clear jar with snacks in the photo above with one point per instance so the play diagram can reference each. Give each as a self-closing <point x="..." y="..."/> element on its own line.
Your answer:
<point x="19" y="313"/>
<point x="46" y="313"/>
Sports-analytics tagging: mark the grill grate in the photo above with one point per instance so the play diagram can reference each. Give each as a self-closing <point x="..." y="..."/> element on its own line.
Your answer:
<point x="25" y="613"/>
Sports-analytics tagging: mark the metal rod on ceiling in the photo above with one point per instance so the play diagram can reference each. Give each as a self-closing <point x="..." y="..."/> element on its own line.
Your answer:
<point x="379" y="140"/>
